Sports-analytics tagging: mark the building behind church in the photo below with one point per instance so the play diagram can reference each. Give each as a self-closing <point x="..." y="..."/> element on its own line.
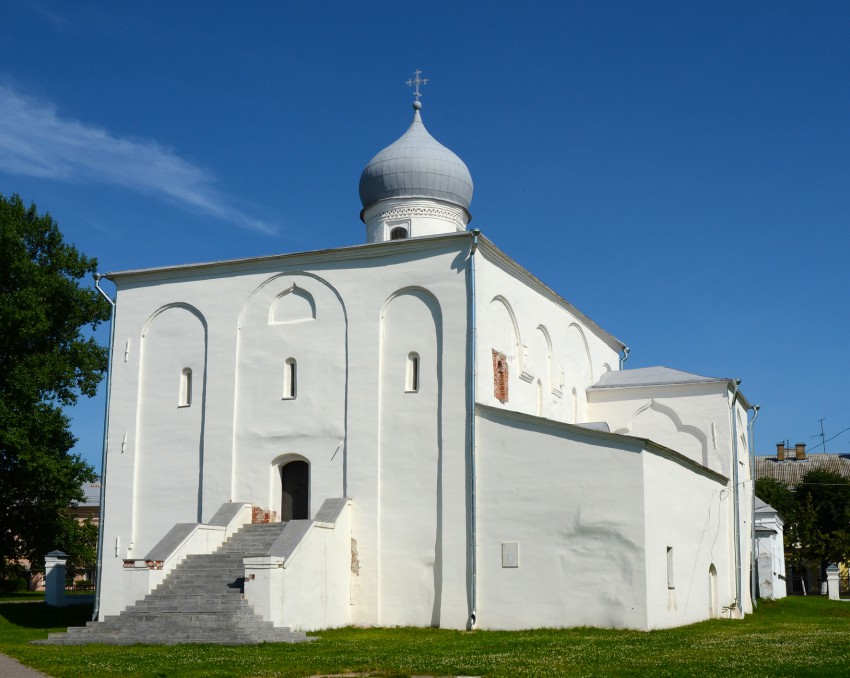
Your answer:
<point x="448" y="441"/>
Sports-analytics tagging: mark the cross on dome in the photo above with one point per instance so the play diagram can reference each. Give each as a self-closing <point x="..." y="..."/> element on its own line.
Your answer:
<point x="416" y="166"/>
<point x="415" y="81"/>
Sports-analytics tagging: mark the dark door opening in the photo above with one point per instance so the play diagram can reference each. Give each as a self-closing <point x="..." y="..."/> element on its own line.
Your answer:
<point x="295" y="482"/>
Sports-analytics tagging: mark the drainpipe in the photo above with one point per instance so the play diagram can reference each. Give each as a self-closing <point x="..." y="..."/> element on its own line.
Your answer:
<point x="472" y="385"/>
<point x="95" y="612"/>
<point x="625" y="356"/>
<point x="752" y="442"/>
<point x="736" y="495"/>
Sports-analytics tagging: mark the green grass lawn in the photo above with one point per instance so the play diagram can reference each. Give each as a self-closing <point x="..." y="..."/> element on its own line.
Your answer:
<point x="22" y="595"/>
<point x="794" y="637"/>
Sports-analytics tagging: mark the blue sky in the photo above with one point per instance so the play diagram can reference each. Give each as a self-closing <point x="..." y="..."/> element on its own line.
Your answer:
<point x="678" y="171"/>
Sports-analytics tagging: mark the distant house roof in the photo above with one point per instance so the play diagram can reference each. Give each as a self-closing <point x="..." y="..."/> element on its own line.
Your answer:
<point x="791" y="471"/>
<point x="91" y="491"/>
<point x="650" y="376"/>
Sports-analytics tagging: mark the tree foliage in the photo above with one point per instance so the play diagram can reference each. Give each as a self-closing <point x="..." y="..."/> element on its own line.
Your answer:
<point x="46" y="363"/>
<point x="79" y="540"/>
<point x="816" y="514"/>
<point x="824" y="497"/>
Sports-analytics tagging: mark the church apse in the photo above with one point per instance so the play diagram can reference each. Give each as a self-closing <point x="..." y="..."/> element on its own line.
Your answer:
<point x="291" y="381"/>
<point x="411" y="458"/>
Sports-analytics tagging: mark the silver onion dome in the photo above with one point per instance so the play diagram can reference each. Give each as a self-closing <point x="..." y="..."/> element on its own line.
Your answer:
<point x="416" y="166"/>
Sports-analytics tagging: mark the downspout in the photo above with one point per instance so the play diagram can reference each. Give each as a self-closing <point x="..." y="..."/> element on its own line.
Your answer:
<point x="472" y="385"/>
<point x="101" y="521"/>
<point x="736" y="495"/>
<point x="624" y="357"/>
<point x="753" y="561"/>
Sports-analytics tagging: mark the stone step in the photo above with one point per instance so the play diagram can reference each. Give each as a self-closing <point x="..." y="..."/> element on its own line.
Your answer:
<point x="199" y="601"/>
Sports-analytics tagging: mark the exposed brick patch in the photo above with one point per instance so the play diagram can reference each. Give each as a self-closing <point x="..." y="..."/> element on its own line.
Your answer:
<point x="260" y="515"/>
<point x="500" y="376"/>
<point x="355" y="561"/>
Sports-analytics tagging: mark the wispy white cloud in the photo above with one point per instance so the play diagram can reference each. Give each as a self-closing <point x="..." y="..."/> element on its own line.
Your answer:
<point x="58" y="20"/>
<point x="36" y="141"/>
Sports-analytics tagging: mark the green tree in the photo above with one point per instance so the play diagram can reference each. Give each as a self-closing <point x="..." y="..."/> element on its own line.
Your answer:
<point x="798" y="520"/>
<point x="46" y="363"/>
<point x="79" y="540"/>
<point x="825" y="495"/>
<point x="816" y="515"/>
<point x="777" y="494"/>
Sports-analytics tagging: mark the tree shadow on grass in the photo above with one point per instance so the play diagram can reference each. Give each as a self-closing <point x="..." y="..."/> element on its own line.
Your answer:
<point x="41" y="616"/>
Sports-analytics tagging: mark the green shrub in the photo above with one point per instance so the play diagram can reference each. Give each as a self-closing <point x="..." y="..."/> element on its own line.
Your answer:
<point x="16" y="579"/>
<point x="13" y="584"/>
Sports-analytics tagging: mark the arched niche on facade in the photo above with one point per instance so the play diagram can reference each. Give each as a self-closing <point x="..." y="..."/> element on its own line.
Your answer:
<point x="291" y="385"/>
<point x="169" y="444"/>
<point x="540" y="358"/>
<point x="578" y="352"/>
<point x="662" y="424"/>
<point x="411" y="458"/>
<point x="292" y="306"/>
<point x="503" y="331"/>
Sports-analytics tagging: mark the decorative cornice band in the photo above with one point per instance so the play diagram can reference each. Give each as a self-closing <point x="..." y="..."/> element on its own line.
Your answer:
<point x="446" y="214"/>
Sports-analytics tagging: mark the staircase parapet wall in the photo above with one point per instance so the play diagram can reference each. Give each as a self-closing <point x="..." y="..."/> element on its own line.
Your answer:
<point x="184" y="539"/>
<point x="304" y="580"/>
<point x="331" y="510"/>
<point x="176" y="537"/>
<point x="232" y="515"/>
<point x="290" y="540"/>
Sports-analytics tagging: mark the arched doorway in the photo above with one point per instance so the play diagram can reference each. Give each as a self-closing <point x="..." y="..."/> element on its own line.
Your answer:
<point x="295" y="491"/>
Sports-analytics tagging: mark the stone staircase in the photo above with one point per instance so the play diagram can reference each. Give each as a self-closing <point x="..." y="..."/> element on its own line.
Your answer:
<point x="200" y="601"/>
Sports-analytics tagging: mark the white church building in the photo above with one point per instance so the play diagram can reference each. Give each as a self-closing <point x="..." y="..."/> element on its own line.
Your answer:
<point x="449" y="442"/>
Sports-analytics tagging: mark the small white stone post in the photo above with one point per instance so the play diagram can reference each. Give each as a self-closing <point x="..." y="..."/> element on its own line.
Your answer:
<point x="832" y="581"/>
<point x="54" y="578"/>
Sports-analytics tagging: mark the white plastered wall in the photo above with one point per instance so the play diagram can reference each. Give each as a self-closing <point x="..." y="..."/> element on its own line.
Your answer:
<point x="247" y="426"/>
<point x="411" y="455"/>
<point x="699" y="421"/>
<point x="169" y="439"/>
<point x="688" y="511"/>
<point x="553" y="353"/>
<point x="692" y="419"/>
<point x="745" y="491"/>
<point x="298" y="317"/>
<point x="770" y="550"/>
<point x="572" y="502"/>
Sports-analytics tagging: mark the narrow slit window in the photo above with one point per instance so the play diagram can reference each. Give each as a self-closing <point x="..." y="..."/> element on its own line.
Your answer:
<point x="670" y="582"/>
<point x="412" y="379"/>
<point x="290" y="378"/>
<point x="398" y="233"/>
<point x="185" y="387"/>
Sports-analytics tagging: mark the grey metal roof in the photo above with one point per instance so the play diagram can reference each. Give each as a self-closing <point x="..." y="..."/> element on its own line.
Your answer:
<point x="762" y="506"/>
<point x="650" y="376"/>
<point x="791" y="471"/>
<point x="416" y="166"/>
<point x="596" y="426"/>
<point x="91" y="492"/>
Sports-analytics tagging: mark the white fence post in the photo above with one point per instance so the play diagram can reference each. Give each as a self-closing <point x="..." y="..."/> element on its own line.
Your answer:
<point x="54" y="578"/>
<point x="832" y="581"/>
